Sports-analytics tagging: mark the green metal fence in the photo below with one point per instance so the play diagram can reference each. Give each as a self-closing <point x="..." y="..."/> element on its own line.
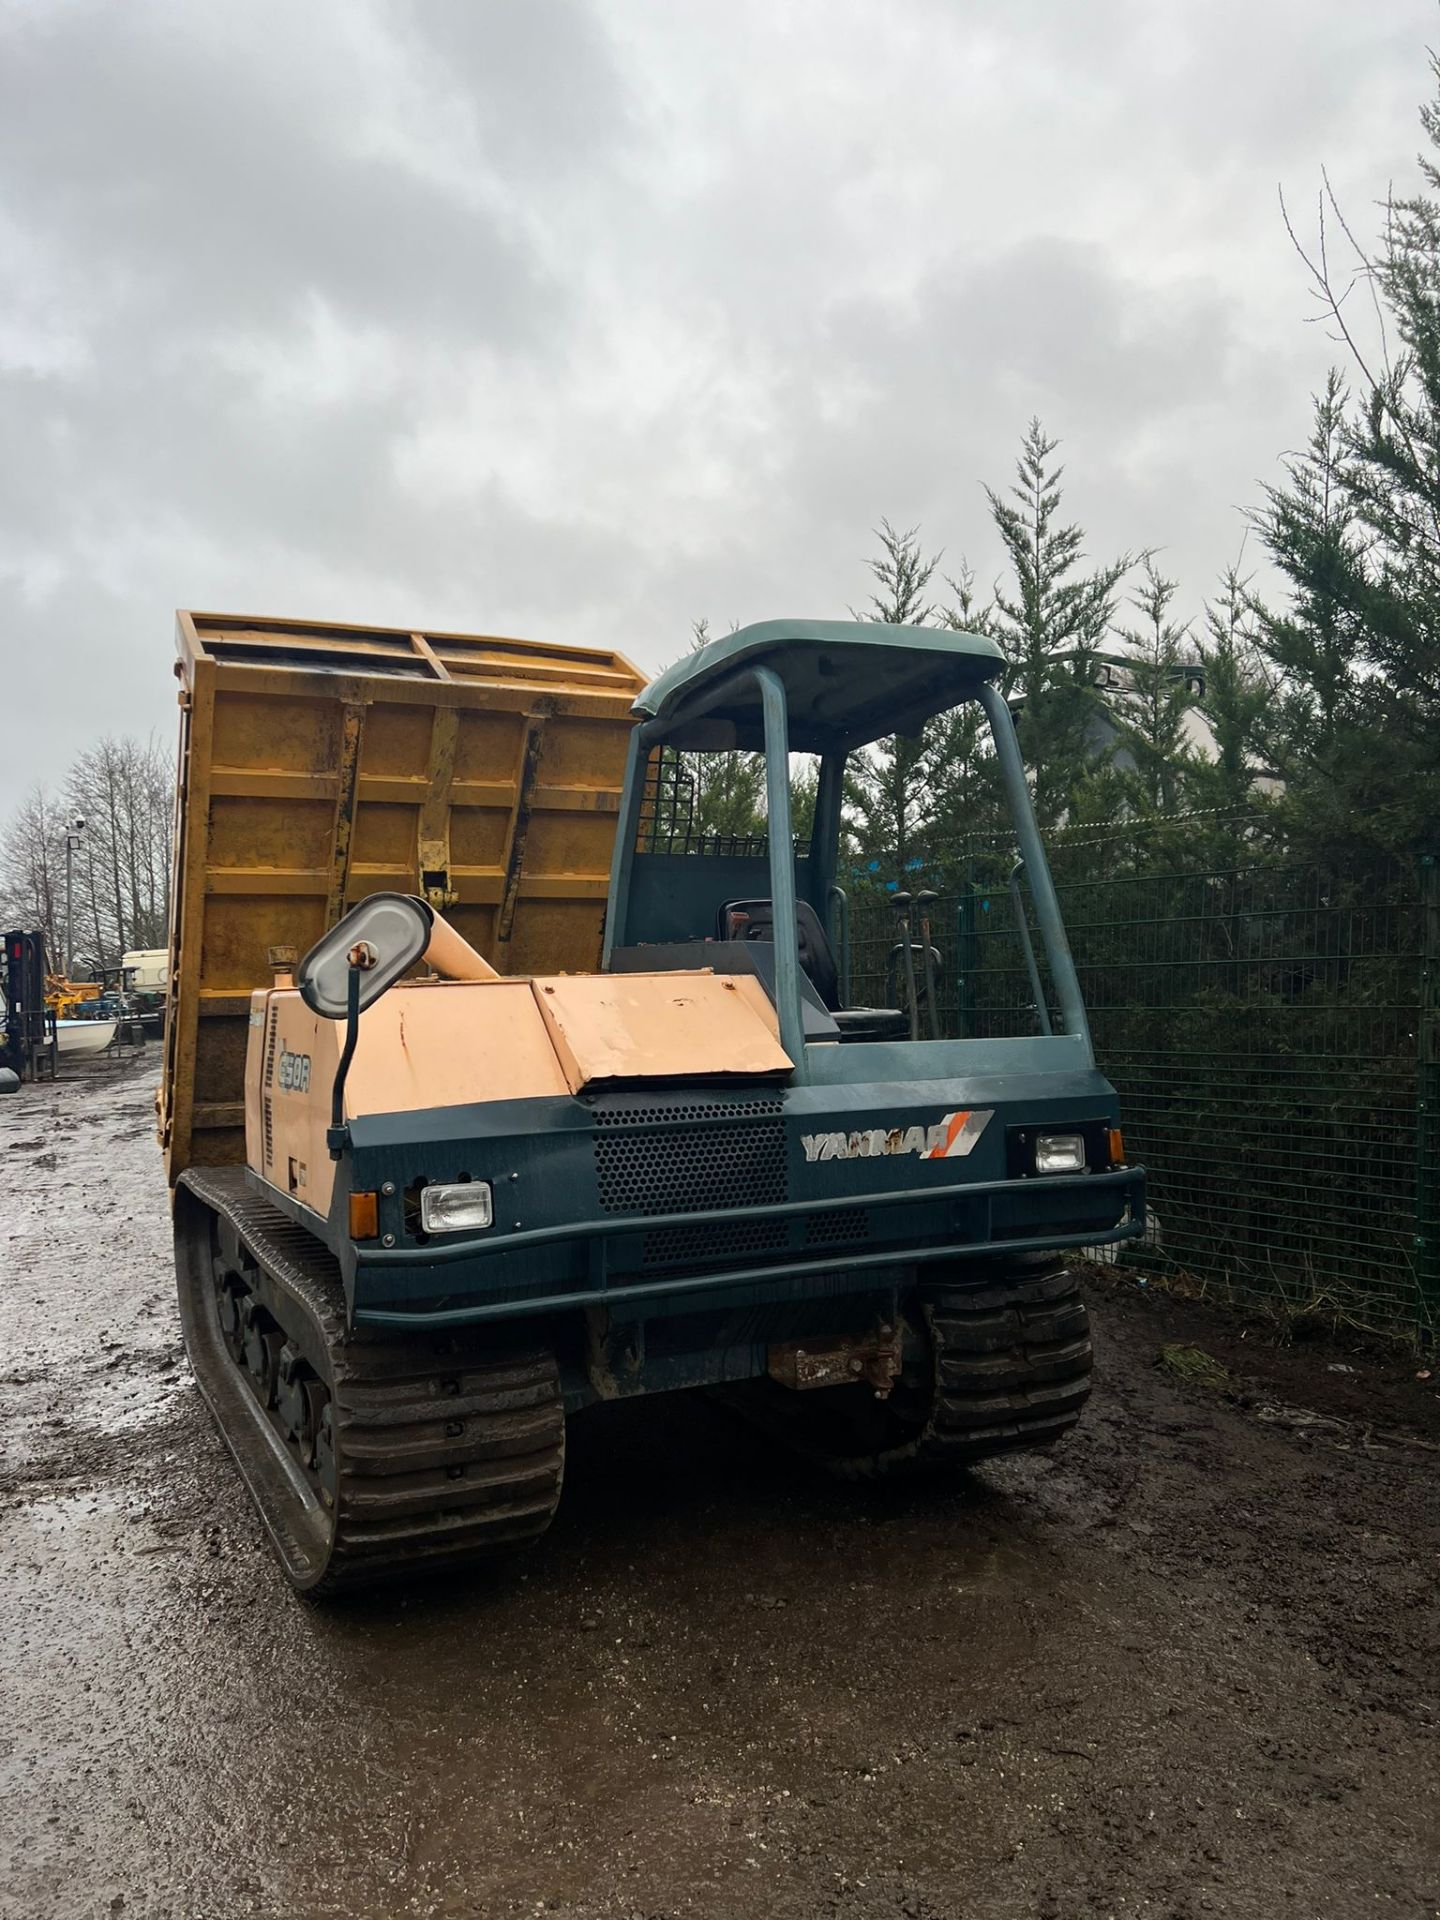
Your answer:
<point x="1274" y="1034"/>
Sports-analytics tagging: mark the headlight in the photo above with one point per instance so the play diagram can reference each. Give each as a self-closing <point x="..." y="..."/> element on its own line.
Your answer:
<point x="454" y="1209"/>
<point x="1060" y="1153"/>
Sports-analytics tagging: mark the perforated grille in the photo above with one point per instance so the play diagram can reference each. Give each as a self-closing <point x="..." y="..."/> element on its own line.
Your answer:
<point x="655" y="1170"/>
<point x="835" y="1229"/>
<point x="627" y="1113"/>
<point x="673" y="1247"/>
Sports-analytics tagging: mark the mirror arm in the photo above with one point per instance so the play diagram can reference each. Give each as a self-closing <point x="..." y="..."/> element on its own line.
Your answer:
<point x="337" y="1134"/>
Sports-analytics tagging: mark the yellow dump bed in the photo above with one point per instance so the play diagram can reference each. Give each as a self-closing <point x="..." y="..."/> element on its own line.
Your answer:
<point x="322" y="763"/>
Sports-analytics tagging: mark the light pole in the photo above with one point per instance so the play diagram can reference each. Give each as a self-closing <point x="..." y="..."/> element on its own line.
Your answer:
<point x="73" y="834"/>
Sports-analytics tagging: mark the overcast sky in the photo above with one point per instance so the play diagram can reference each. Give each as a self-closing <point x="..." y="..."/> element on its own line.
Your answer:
<point x="582" y="320"/>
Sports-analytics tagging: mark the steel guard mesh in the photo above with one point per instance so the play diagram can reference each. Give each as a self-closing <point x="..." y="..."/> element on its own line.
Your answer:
<point x="652" y="1169"/>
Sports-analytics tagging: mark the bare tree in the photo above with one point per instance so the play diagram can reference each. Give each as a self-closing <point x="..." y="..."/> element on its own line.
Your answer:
<point x="32" y="871"/>
<point x="122" y="789"/>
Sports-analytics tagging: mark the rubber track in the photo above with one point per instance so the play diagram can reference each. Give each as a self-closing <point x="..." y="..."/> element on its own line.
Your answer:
<point x="447" y="1450"/>
<point x="1012" y="1366"/>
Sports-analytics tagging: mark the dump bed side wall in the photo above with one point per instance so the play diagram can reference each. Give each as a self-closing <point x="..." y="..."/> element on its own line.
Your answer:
<point x="320" y="764"/>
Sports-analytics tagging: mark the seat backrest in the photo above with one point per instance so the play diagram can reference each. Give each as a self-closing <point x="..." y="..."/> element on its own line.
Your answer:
<point x="755" y="920"/>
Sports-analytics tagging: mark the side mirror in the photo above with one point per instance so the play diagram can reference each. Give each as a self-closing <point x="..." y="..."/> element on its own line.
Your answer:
<point x="380" y="939"/>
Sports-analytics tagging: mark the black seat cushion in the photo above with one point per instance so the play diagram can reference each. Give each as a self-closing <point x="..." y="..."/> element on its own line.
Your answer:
<point x="755" y="920"/>
<point x="871" y="1023"/>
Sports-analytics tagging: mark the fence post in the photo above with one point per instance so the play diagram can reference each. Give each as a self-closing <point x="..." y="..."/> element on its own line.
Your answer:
<point x="1427" y="1116"/>
<point x="967" y="959"/>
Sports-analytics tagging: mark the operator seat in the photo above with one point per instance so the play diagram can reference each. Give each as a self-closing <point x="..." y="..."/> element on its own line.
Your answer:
<point x="755" y="920"/>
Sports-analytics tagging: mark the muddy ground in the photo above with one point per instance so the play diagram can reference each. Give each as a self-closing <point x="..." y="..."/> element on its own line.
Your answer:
<point x="1188" y="1664"/>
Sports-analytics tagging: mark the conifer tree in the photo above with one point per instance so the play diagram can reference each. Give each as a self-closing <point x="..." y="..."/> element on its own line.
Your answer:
<point x="1051" y="624"/>
<point x="729" y="787"/>
<point x="966" y="797"/>
<point x="1355" y="529"/>
<point x="1393" y="474"/>
<point x="889" y="786"/>
<point x="1153" y="706"/>
<point x="1233" y="699"/>
<point x="1316" y="645"/>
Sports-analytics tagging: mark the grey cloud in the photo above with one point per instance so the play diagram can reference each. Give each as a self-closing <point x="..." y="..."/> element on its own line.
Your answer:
<point x="547" y="95"/>
<point x="585" y="319"/>
<point x="212" y="191"/>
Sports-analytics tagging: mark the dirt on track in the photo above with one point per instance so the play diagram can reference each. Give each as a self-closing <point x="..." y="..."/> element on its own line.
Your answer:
<point x="1187" y="1664"/>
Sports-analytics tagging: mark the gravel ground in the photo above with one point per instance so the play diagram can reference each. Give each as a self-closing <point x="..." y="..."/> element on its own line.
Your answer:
<point x="1188" y="1664"/>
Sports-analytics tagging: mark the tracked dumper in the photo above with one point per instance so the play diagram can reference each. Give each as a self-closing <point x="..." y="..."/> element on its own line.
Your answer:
<point x="565" y="1103"/>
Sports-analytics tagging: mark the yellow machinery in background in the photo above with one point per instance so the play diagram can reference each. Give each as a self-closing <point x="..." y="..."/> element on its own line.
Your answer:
<point x="64" y="998"/>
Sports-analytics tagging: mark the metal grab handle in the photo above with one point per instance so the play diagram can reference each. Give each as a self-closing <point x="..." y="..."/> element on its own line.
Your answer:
<point x="900" y="901"/>
<point x="1032" y="851"/>
<point x="1022" y="924"/>
<point x="924" y="899"/>
<point x="839" y="900"/>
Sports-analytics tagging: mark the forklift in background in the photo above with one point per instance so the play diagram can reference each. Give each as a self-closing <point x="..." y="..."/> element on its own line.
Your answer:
<point x="28" y="1045"/>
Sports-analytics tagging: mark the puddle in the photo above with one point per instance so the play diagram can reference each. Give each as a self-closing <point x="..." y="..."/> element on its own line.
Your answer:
<point x="60" y="1513"/>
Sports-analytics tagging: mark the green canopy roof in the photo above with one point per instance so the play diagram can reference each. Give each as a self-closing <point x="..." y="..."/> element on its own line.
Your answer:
<point x="846" y="682"/>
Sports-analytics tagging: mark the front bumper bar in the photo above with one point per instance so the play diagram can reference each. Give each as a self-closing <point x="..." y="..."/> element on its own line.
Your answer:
<point x="602" y="1290"/>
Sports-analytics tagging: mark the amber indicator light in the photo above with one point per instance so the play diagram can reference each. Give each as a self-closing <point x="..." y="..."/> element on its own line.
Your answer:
<point x="364" y="1216"/>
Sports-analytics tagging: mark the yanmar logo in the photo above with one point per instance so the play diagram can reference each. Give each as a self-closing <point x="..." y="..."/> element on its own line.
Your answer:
<point x="950" y="1138"/>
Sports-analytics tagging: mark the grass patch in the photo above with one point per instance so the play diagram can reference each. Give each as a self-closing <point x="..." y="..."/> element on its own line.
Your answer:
<point x="1193" y="1365"/>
